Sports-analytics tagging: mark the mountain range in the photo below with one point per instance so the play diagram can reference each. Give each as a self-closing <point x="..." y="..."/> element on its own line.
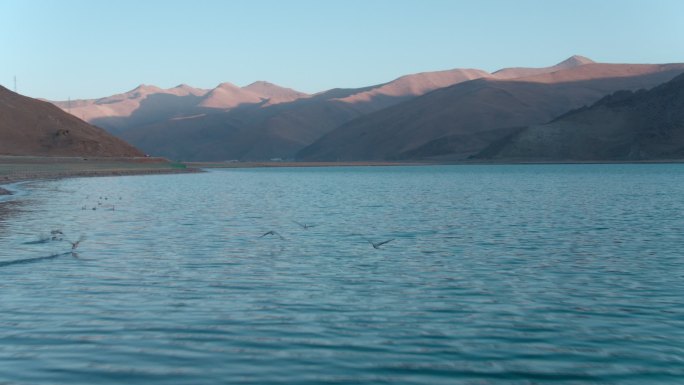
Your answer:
<point x="443" y="115"/>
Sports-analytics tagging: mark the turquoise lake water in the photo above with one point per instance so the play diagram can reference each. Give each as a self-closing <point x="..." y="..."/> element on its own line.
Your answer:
<point x="526" y="274"/>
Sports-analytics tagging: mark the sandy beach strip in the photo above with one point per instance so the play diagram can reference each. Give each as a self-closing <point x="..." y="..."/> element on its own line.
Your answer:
<point x="301" y="164"/>
<point x="24" y="168"/>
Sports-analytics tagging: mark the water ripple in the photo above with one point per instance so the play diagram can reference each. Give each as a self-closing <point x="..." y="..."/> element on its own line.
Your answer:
<point x="497" y="274"/>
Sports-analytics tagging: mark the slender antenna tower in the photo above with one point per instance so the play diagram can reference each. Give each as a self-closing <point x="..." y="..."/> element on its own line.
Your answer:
<point x="15" y="83"/>
<point x="69" y="105"/>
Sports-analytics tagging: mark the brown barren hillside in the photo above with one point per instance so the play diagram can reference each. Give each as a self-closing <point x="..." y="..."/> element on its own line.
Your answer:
<point x="227" y="95"/>
<point x="274" y="93"/>
<point x="33" y="127"/>
<point x="148" y="104"/>
<point x="593" y="71"/>
<point x="141" y="105"/>
<point x="521" y="72"/>
<point x="410" y="86"/>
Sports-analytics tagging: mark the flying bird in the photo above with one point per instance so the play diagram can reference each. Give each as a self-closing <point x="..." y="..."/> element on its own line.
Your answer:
<point x="305" y="226"/>
<point x="75" y="244"/>
<point x="272" y="233"/>
<point x="376" y="245"/>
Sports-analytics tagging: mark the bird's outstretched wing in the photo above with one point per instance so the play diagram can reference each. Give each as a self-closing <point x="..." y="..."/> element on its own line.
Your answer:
<point x="383" y="242"/>
<point x="305" y="226"/>
<point x="376" y="245"/>
<point x="366" y="239"/>
<point x="75" y="244"/>
<point x="272" y="232"/>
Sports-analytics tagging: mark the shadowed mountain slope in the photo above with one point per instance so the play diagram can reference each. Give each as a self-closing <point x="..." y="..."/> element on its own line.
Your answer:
<point x="33" y="127"/>
<point x="642" y="125"/>
<point x="459" y="121"/>
<point x="245" y="133"/>
<point x="142" y="105"/>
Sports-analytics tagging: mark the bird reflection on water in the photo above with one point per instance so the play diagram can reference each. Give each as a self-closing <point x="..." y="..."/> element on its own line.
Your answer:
<point x="37" y="259"/>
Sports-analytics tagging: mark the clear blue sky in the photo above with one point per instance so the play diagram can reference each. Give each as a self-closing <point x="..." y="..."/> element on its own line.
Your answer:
<point x="88" y="48"/>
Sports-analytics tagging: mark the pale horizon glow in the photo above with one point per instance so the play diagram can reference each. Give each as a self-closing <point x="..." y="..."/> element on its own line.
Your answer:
<point x="82" y="49"/>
